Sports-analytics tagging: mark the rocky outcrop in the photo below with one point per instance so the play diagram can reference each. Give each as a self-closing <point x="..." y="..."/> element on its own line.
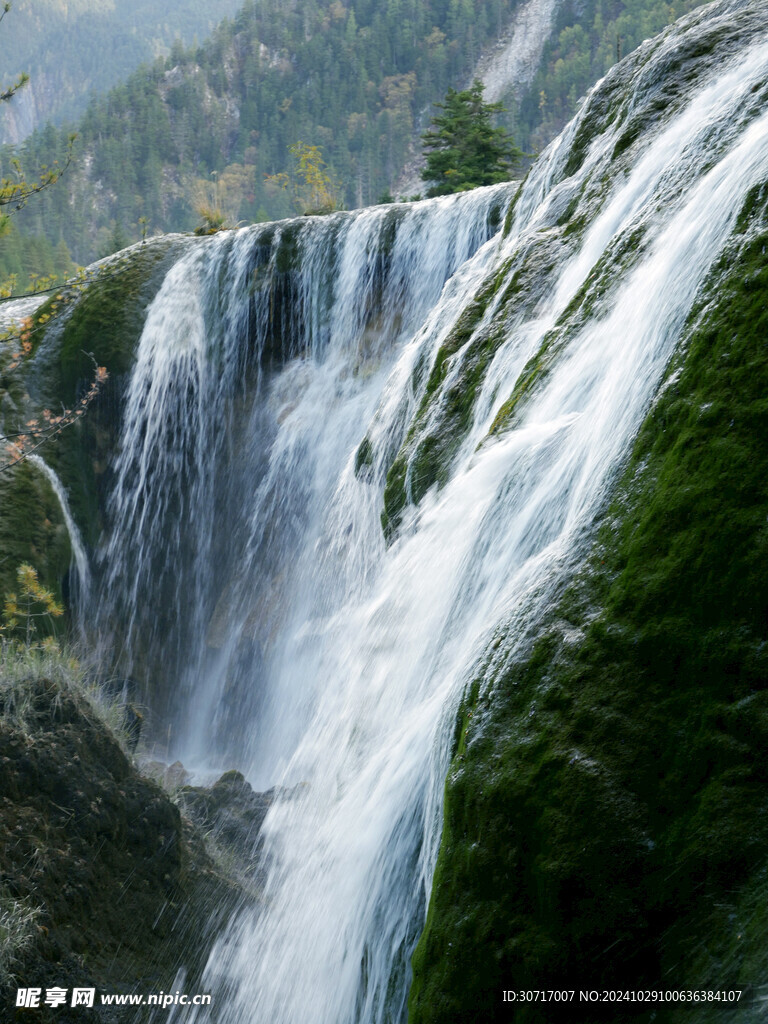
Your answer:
<point x="119" y="888"/>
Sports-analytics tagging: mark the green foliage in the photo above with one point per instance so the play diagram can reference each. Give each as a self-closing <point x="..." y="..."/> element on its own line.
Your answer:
<point x="75" y="48"/>
<point x="353" y="77"/>
<point x="463" y="148"/>
<point x="29" y="264"/>
<point x="116" y="241"/>
<point x="212" y="220"/>
<point x="32" y="529"/>
<point x="16" y="187"/>
<point x="586" y="41"/>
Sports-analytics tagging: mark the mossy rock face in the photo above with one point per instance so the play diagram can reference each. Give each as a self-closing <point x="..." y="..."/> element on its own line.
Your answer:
<point x="124" y="887"/>
<point x="102" y="328"/>
<point x="32" y="531"/>
<point x="661" y="85"/>
<point x="445" y="413"/>
<point x="605" y="822"/>
<point x="108" y="319"/>
<point x="446" y="410"/>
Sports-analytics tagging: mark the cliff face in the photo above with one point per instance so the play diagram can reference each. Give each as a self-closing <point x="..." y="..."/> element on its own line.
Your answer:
<point x="108" y="317"/>
<point x="605" y="816"/>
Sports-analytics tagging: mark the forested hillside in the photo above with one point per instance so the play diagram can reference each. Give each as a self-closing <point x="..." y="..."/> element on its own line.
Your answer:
<point x="28" y="262"/>
<point x="207" y="125"/>
<point x="72" y="48"/>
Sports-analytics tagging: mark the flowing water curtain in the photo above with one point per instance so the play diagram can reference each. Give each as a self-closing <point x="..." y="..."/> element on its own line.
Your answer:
<point x="261" y="352"/>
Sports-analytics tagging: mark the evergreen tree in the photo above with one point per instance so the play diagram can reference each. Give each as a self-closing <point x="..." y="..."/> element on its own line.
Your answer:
<point x="464" y="149"/>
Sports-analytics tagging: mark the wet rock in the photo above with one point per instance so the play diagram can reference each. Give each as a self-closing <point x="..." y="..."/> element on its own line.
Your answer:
<point x="125" y="889"/>
<point x="232" y="813"/>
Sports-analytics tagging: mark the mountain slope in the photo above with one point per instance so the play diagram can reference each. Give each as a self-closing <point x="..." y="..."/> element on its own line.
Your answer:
<point x="358" y="80"/>
<point x="72" y="50"/>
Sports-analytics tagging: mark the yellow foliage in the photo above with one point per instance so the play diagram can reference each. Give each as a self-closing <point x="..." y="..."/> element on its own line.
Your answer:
<point x="33" y="602"/>
<point x="313" y="188"/>
<point x="217" y="202"/>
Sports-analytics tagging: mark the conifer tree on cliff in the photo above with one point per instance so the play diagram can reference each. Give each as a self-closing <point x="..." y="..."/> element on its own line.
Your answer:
<point x="463" y="147"/>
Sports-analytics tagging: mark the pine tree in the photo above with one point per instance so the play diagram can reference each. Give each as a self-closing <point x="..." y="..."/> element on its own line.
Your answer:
<point x="464" y="149"/>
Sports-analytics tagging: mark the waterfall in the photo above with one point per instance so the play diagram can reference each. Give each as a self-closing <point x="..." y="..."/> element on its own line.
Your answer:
<point x="76" y="541"/>
<point x="261" y="357"/>
<point x="281" y="371"/>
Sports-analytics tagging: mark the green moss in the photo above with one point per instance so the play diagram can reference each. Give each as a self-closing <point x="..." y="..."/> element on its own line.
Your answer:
<point x="395" y="497"/>
<point x="109" y="318"/>
<point x="605" y="819"/>
<point x="104" y="327"/>
<point x="32" y="529"/>
<point x="494" y="216"/>
<point x="106" y="319"/>
<point x="652" y="112"/>
<point x="445" y="413"/>
<point x="363" y="458"/>
<point x="610" y="268"/>
<point x="288" y="254"/>
<point x="533" y="371"/>
<point x="432" y="450"/>
<point x="388" y="233"/>
<point x="604" y="105"/>
<point x="428" y="466"/>
<point x="464" y="716"/>
<point x="509" y="219"/>
<point x="567" y="214"/>
<point x="753" y="204"/>
<point x="459" y="336"/>
<point x="426" y="456"/>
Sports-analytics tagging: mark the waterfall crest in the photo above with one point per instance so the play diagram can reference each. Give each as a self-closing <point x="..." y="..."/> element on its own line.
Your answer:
<point x="294" y="379"/>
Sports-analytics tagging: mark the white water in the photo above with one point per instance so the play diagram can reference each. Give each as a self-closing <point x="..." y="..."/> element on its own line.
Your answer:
<point x="232" y="465"/>
<point x="75" y="539"/>
<point x="246" y="551"/>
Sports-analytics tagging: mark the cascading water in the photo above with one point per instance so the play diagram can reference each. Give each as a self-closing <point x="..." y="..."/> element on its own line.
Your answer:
<point x="280" y="373"/>
<point x="262" y="355"/>
<point x="76" y="541"/>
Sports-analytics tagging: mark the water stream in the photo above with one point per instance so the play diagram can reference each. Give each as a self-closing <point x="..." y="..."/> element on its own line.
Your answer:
<point x="76" y="541"/>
